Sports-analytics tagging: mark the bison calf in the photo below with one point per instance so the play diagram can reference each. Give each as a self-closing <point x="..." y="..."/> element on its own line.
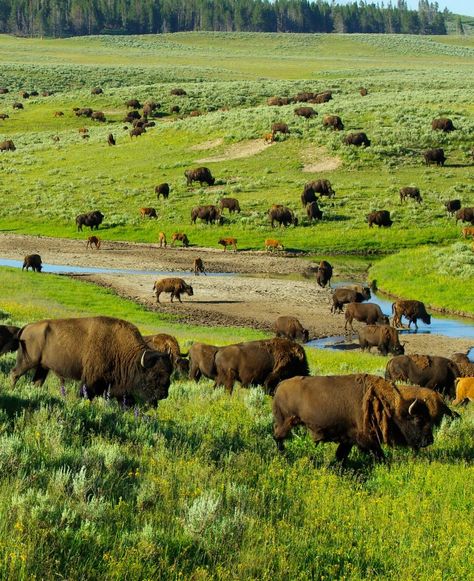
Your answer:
<point x="272" y="244"/>
<point x="198" y="267"/>
<point x="93" y="241"/>
<point x="180" y="237"/>
<point x="228" y="242"/>
<point x="464" y="390"/>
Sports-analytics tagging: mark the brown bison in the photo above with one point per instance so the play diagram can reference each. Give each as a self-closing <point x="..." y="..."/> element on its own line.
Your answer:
<point x="137" y="131"/>
<point x="306" y="112"/>
<point x="280" y="128"/>
<point x="180" y="237"/>
<point x="111" y="139"/>
<point x="321" y="187"/>
<point x="17" y="106"/>
<point x="357" y="139"/>
<point x="131" y="116"/>
<point x="438" y="373"/>
<point x="103" y="353"/>
<point x="290" y="328"/>
<point x="353" y="410"/>
<point x="162" y="190"/>
<point x="323" y="97"/>
<point x="410" y="192"/>
<point x="162" y="239"/>
<point x="452" y="206"/>
<point x="464" y="390"/>
<point x="209" y="214"/>
<point x="466" y="367"/>
<point x="98" y="116"/>
<point x="278" y="101"/>
<point x="32" y="261"/>
<point x="200" y="174"/>
<point x="434" y="156"/>
<point x="164" y="343"/>
<point x="148" y="213"/>
<point x="96" y="91"/>
<point x="4" y="90"/>
<point x="175" y="286"/>
<point x="263" y="362"/>
<point x="232" y="204"/>
<point x="273" y="244"/>
<point x="198" y="267"/>
<point x="202" y="361"/>
<point x="384" y="337"/>
<point x="84" y="112"/>
<point x="368" y="313"/>
<point x="411" y="310"/>
<point x="333" y="121"/>
<point x="379" y="218"/>
<point x="228" y="242"/>
<point x="283" y="215"/>
<point x="91" y="219"/>
<point x="7" y="145"/>
<point x="175" y="109"/>
<point x="93" y="241"/>
<point x="8" y="339"/>
<point x="442" y="124"/>
<point x="465" y="215"/>
<point x="58" y="114"/>
<point x="363" y="91"/>
<point x="433" y="400"/>
<point x="178" y="92"/>
<point x="324" y="274"/>
<point x="341" y="296"/>
<point x="313" y="212"/>
<point x="4" y="116"/>
<point x="308" y="197"/>
<point x="133" y="104"/>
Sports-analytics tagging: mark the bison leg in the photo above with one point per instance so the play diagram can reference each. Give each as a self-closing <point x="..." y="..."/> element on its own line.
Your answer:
<point x="40" y="375"/>
<point x="178" y="296"/>
<point x="158" y="296"/>
<point x="343" y="451"/>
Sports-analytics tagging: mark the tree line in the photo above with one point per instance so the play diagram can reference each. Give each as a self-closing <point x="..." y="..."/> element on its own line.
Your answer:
<point x="84" y="17"/>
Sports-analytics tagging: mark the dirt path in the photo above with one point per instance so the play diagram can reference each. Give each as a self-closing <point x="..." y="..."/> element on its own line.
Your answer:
<point x="233" y="300"/>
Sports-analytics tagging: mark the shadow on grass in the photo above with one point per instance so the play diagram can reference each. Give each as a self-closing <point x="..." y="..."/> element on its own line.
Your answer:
<point x="13" y="404"/>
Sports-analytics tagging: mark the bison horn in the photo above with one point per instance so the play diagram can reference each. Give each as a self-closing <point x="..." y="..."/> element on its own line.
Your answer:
<point x="410" y="409"/>
<point x="142" y="360"/>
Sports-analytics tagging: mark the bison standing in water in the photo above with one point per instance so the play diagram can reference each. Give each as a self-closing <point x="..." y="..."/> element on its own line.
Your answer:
<point x="411" y="310"/>
<point x="353" y="410"/>
<point x="201" y="175"/>
<point x="291" y="328"/>
<point x="384" y="337"/>
<point x="103" y="353"/>
<point x="32" y="261"/>
<point x="324" y="274"/>
<point x="341" y="296"/>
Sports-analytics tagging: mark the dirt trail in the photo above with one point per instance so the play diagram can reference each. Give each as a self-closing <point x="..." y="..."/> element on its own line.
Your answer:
<point x="238" y="151"/>
<point x="233" y="300"/>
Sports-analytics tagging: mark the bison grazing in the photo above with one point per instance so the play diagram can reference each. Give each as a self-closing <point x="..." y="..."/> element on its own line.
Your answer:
<point x="384" y="337"/>
<point x="323" y="97"/>
<point x="272" y="244"/>
<point x="32" y="261"/>
<point x="209" y="214"/>
<point x="4" y="116"/>
<point x="465" y="215"/>
<point x="438" y="373"/>
<point x="468" y="232"/>
<point x="379" y="218"/>
<point x="369" y="313"/>
<point x="434" y="156"/>
<point x="198" y="267"/>
<point x="278" y="101"/>
<point x="179" y="237"/>
<point x="452" y="206"/>
<point x="308" y="197"/>
<point x="321" y="187"/>
<point x="93" y="241"/>
<point x="98" y="116"/>
<point x="200" y="174"/>
<point x="162" y="190"/>
<point x="137" y="131"/>
<point x="91" y="219"/>
<point x="103" y="353"/>
<point x="363" y="91"/>
<point x="306" y="112"/>
<point x="84" y="112"/>
<point x="111" y="139"/>
<point x="464" y="390"/>
<point x="202" y="361"/>
<point x="165" y="343"/>
<point x="433" y="400"/>
<point x="7" y="145"/>
<point x="333" y="121"/>
<point x="148" y="213"/>
<point x="353" y="410"/>
<point x="133" y="104"/>
<point x="280" y="128"/>
<point x="8" y="339"/>
<point x="263" y="362"/>
<point x="283" y="215"/>
<point x="232" y="204"/>
<point x="17" y="106"/>
<point x="466" y="367"/>
<point x="411" y="310"/>
<point x="96" y="91"/>
<point x="410" y="192"/>
<point x="313" y="212"/>
<point x="442" y="124"/>
<point x="178" y="92"/>
<point x="341" y="296"/>
<point x="228" y="242"/>
<point x="290" y="328"/>
<point x="357" y="139"/>
<point x="175" y="286"/>
<point x="324" y="274"/>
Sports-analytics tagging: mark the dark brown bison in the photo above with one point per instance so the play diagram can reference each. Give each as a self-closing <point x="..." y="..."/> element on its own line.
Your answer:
<point x="290" y="328"/>
<point x="96" y="91"/>
<point x="379" y="218"/>
<point x="341" y="296"/>
<point x="353" y="410"/>
<point x="4" y="116"/>
<point x="175" y="109"/>
<point x="357" y="139"/>
<point x="4" y="90"/>
<point x="84" y="112"/>
<point x="131" y="116"/>
<point x="306" y="112"/>
<point x="148" y="213"/>
<point x="209" y="214"/>
<point x="103" y="353"/>
<point x="333" y="121"/>
<point x="98" y="116"/>
<point x="178" y="92"/>
<point x="7" y="145"/>
<point x="24" y="94"/>
<point x="137" y="131"/>
<point x="307" y="197"/>
<point x="202" y="361"/>
<point x="200" y="174"/>
<point x="452" y="206"/>
<point x="363" y="91"/>
<point x="442" y="124"/>
<point x="175" y="286"/>
<point x="434" y="156"/>
<point x="263" y="362"/>
<point x="232" y="204"/>
<point x="278" y="101"/>
<point x="32" y="261"/>
<point x="164" y="343"/>
<point x="283" y="215"/>
<point x="313" y="212"/>
<point x="303" y="97"/>
<point x="411" y="310"/>
<point x="280" y="128"/>
<point x="466" y="367"/>
<point x="438" y="373"/>
<point x="8" y="339"/>
<point x="133" y="104"/>
<point x="91" y="219"/>
<point x="384" y="337"/>
<point x="198" y="267"/>
<point x="162" y="190"/>
<point x="410" y="192"/>
<point x="368" y="313"/>
<point x="465" y="215"/>
<point x="433" y="400"/>
<point x="17" y="106"/>
<point x="323" y="97"/>
<point x="180" y="237"/>
<point x="321" y="187"/>
<point x="111" y="139"/>
<point x="324" y="274"/>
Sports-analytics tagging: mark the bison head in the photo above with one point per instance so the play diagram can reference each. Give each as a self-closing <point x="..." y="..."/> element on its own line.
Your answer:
<point x="156" y="369"/>
<point x="188" y="289"/>
<point x="426" y="319"/>
<point x="414" y="423"/>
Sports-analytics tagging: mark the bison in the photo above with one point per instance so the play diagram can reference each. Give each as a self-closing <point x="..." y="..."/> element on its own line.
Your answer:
<point x="321" y="187"/>
<point x="98" y="116"/>
<point x="137" y="131"/>
<point x="433" y="400"/>
<point x="8" y="339"/>
<point x="290" y="328"/>
<point x="84" y="112"/>
<point x="133" y="104"/>
<point x="379" y="218"/>
<point x="200" y="174"/>
<point x="264" y="362"/>
<point x="434" y="156"/>
<point x="466" y="367"/>
<point x="313" y="212"/>
<point x="178" y="92"/>
<point x="198" y="267"/>
<point x="165" y="343"/>
<point x="464" y="390"/>
<point x="232" y="204"/>
<point x="111" y="139"/>
<point x="278" y="101"/>
<point x="353" y="410"/>
<point x="410" y="192"/>
<point x="175" y="286"/>
<point x="363" y="91"/>
<point x="32" y="261"/>
<point x="438" y="373"/>
<point x="306" y="112"/>
<point x="93" y="241"/>
<point x="333" y="121"/>
<point x="283" y="215"/>
<point x="411" y="310"/>
<point x="452" y="206"/>
<point x="91" y="219"/>
<point x="162" y="239"/>
<point x="4" y="116"/>
<point x="209" y="214"/>
<point x="148" y="213"/>
<point x="273" y="244"/>
<point x="7" y="145"/>
<point x="384" y="337"/>
<point x="202" y="361"/>
<point x="308" y="197"/>
<point x="228" y="242"/>
<point x="324" y="274"/>
<point x="17" y="106"/>
<point x="162" y="190"/>
<point x="280" y="128"/>
<point x="357" y="139"/>
<point x="103" y="353"/>
<point x="179" y="237"/>
<point x="465" y="215"/>
<point x="323" y="97"/>
<point x="96" y="91"/>
<point x="442" y="124"/>
<point x="341" y="296"/>
<point x="369" y="313"/>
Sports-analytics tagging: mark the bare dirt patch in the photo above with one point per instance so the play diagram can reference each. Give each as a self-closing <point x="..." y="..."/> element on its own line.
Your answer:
<point x="207" y="144"/>
<point x="239" y="151"/>
<point x="317" y="159"/>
